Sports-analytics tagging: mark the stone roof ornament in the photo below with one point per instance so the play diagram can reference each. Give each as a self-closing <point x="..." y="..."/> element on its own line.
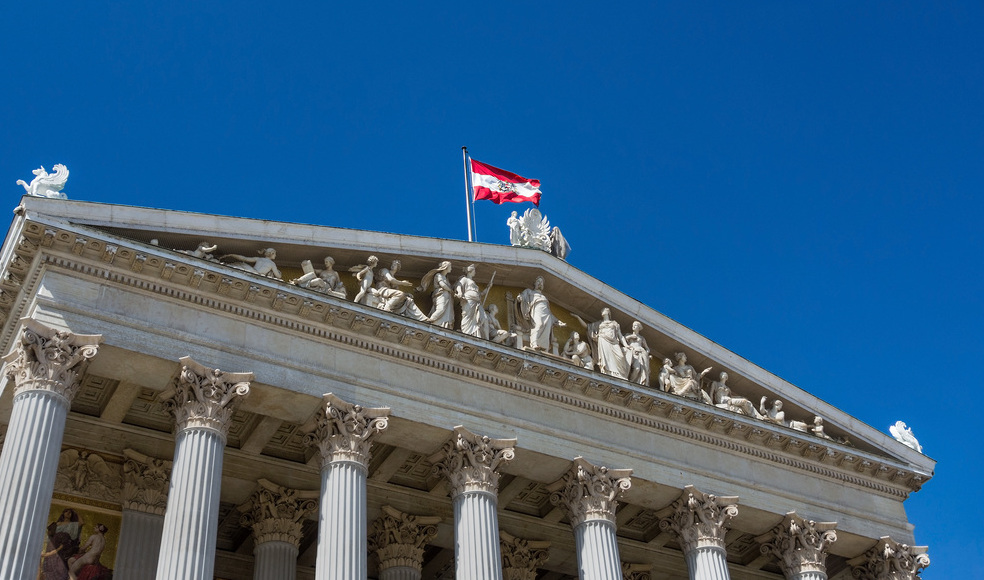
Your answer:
<point x="903" y="435"/>
<point x="47" y="184"/>
<point x="532" y="230"/>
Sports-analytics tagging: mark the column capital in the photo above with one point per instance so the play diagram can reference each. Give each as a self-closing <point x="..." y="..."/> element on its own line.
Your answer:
<point x="589" y="492"/>
<point x="637" y="571"/>
<point x="49" y="360"/>
<point x="204" y="398"/>
<point x="276" y="514"/>
<point x="471" y="462"/>
<point x="890" y="560"/>
<point x="800" y="545"/>
<point x="145" y="482"/>
<point x="520" y="557"/>
<point x="398" y="539"/>
<point x="345" y="431"/>
<point x="700" y="519"/>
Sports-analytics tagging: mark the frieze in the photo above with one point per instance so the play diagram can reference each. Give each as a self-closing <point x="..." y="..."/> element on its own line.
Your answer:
<point x="403" y="333"/>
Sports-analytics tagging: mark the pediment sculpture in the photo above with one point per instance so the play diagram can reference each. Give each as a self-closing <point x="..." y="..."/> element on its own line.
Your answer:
<point x="532" y="230"/>
<point x="47" y="184"/>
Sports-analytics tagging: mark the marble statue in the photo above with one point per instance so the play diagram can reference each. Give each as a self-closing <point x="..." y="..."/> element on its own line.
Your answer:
<point x="607" y="340"/>
<point x="665" y="372"/>
<point x="326" y="281"/>
<point x="534" y="230"/>
<point x="637" y="353"/>
<point x="579" y="351"/>
<point x="533" y="309"/>
<point x="203" y="251"/>
<point x="685" y="382"/>
<point x="773" y="414"/>
<point x="388" y="296"/>
<point x="817" y="428"/>
<point x="442" y="309"/>
<point x="264" y="265"/>
<point x="492" y="330"/>
<point x="904" y="435"/>
<point x="365" y="274"/>
<point x="472" y="299"/>
<point x="515" y="230"/>
<point x="47" y="184"/>
<point x="723" y="398"/>
<point x="558" y="244"/>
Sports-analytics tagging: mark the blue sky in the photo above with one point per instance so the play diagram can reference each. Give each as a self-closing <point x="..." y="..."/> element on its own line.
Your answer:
<point x="799" y="182"/>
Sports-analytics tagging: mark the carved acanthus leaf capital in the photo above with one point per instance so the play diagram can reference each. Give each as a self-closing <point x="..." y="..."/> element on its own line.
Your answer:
<point x="800" y="545"/>
<point x="890" y="560"/>
<point x="145" y="482"/>
<point x="205" y="398"/>
<point x="589" y="492"/>
<point x="632" y="571"/>
<point x="471" y="462"/>
<point x="700" y="519"/>
<point x="345" y="431"/>
<point x="399" y="539"/>
<point x="50" y="360"/>
<point x="276" y="514"/>
<point x="521" y="557"/>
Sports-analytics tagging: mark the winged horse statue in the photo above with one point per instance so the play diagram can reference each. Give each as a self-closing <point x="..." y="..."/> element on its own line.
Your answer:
<point x="47" y="184"/>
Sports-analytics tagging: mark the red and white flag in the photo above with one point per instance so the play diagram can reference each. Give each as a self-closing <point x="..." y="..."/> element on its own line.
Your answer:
<point x="500" y="185"/>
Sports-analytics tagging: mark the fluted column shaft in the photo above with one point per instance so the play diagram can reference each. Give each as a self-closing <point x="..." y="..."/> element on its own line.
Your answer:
<point x="699" y="520"/>
<point x="597" y="550"/>
<point x="203" y="403"/>
<point x="275" y="560"/>
<point x="44" y="369"/>
<point x="344" y="437"/>
<point x="708" y="563"/>
<point x="400" y="573"/>
<point x="139" y="546"/>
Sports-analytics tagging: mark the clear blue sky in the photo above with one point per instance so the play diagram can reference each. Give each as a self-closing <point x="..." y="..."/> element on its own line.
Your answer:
<point x="800" y="182"/>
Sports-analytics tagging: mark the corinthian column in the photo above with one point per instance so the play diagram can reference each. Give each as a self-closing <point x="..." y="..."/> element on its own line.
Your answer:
<point x="801" y="547"/>
<point x="588" y="494"/>
<point x="470" y="464"/>
<point x="343" y="436"/>
<point x="45" y="367"/>
<point x="276" y="515"/>
<point x="145" y="482"/>
<point x="398" y="539"/>
<point x="202" y="405"/>
<point x="699" y="521"/>
<point x="890" y="560"/>
<point x="521" y="558"/>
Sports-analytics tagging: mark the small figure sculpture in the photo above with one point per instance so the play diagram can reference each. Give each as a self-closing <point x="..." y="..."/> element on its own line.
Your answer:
<point x="904" y="435"/>
<point x="388" y="296"/>
<point x="723" y="399"/>
<point x="47" y="184"/>
<point x="774" y="414"/>
<point x="817" y="428"/>
<point x="365" y="274"/>
<point x="533" y="309"/>
<point x="326" y="281"/>
<point x="579" y="351"/>
<point x="685" y="381"/>
<point x="515" y="230"/>
<point x="558" y="244"/>
<point x="442" y="310"/>
<point x="663" y="379"/>
<point x="203" y="251"/>
<point x="637" y="354"/>
<point x="492" y="330"/>
<point x="472" y="300"/>
<point x="264" y="266"/>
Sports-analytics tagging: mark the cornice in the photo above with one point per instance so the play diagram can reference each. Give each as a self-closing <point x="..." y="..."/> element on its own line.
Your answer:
<point x="213" y="286"/>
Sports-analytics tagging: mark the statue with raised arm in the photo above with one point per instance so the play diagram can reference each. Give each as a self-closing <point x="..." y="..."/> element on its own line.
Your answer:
<point x="533" y="309"/>
<point x="326" y="281"/>
<point x="264" y="265"/>
<point x="685" y="381"/>
<point x="365" y="274"/>
<point x="442" y="309"/>
<point x="773" y="414"/>
<point x="203" y="251"/>
<point x="471" y="298"/>
<point x="391" y="298"/>
<point x="637" y="354"/>
<point x="47" y="184"/>
<point x="904" y="435"/>
<point x="723" y="398"/>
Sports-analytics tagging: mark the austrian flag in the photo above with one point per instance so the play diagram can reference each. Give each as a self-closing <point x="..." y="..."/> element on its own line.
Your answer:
<point x="499" y="185"/>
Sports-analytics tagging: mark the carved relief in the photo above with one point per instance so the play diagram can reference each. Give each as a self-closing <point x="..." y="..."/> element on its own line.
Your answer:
<point x="398" y="539"/>
<point x="589" y="492"/>
<point x="521" y="557"/>
<point x="82" y="472"/>
<point x="49" y="360"/>
<point x="206" y="398"/>
<point x="700" y="519"/>
<point x="800" y="545"/>
<point x="890" y="560"/>
<point x="276" y="514"/>
<point x="345" y="431"/>
<point x="145" y="482"/>
<point x="470" y="462"/>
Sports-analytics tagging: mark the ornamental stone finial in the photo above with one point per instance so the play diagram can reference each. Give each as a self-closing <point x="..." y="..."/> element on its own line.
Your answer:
<point x="589" y="492"/>
<point x="49" y="360"/>
<point x="205" y="398"/>
<point x="47" y="184"/>
<point x="145" y="482"/>
<point x="471" y="462"/>
<point x="521" y="557"/>
<point x="890" y="560"/>
<point x="800" y="545"/>
<point x="276" y="514"/>
<point x="700" y="519"/>
<point x="399" y="539"/>
<point x="345" y="431"/>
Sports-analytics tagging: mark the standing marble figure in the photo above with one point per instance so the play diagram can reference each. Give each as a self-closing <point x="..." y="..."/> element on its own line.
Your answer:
<point x="534" y="309"/>
<point x="442" y="311"/>
<point x="471" y="299"/>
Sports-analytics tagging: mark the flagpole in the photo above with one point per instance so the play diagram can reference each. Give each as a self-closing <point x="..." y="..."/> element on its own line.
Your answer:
<point x="468" y="205"/>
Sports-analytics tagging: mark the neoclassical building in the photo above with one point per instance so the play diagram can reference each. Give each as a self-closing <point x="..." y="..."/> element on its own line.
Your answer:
<point x="175" y="407"/>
